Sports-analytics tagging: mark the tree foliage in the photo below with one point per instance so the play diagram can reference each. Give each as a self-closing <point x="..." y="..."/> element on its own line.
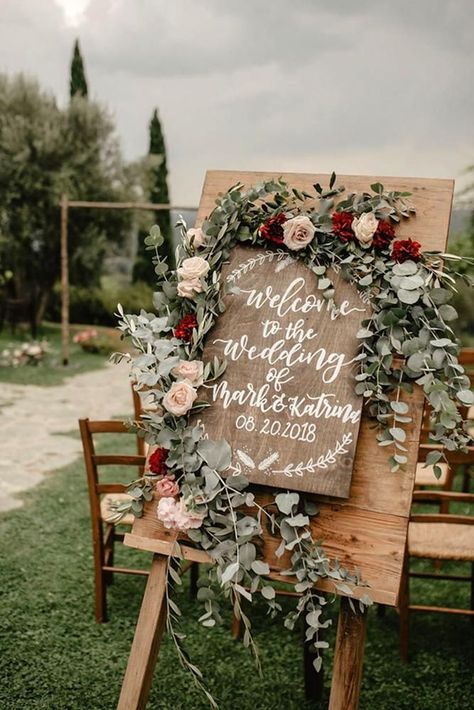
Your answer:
<point x="158" y="193"/>
<point x="45" y="151"/>
<point x="77" y="81"/>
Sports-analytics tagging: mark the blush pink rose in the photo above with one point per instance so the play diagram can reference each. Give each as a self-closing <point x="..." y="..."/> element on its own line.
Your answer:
<point x="298" y="232"/>
<point x="176" y="516"/>
<point x="197" y="236"/>
<point x="195" y="267"/>
<point x="188" y="288"/>
<point x="167" y="487"/>
<point x="191" y="370"/>
<point x="180" y="398"/>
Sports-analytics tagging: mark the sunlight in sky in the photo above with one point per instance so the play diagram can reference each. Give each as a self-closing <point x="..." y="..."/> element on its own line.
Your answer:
<point x="73" y="10"/>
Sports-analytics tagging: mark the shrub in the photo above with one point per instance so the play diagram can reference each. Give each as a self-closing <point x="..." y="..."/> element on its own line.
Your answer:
<point x="96" y="306"/>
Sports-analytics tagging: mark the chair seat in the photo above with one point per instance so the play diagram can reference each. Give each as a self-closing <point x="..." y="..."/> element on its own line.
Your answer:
<point x="425" y="476"/>
<point x="128" y="519"/>
<point x="441" y="541"/>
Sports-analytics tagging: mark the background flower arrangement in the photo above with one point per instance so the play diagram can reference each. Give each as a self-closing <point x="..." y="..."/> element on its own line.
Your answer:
<point x="406" y="340"/>
<point x="28" y="353"/>
<point x="92" y="340"/>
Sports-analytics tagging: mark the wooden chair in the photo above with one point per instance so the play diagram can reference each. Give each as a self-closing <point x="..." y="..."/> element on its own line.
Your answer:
<point x="425" y="474"/>
<point x="438" y="536"/>
<point x="104" y="534"/>
<point x="137" y="412"/>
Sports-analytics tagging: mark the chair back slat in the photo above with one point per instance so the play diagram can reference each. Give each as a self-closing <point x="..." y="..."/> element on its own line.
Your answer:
<point x="107" y="426"/>
<point x="110" y="488"/>
<point x="466" y="357"/>
<point x="441" y="518"/>
<point x="118" y="460"/>
<point x="454" y="458"/>
<point x="440" y="496"/>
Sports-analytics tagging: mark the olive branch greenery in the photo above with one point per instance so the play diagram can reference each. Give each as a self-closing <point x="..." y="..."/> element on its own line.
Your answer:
<point x="406" y="340"/>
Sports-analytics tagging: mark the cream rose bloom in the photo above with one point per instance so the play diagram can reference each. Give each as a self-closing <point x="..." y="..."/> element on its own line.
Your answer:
<point x="193" y="268"/>
<point x="364" y="228"/>
<point x="191" y="370"/>
<point x="197" y="236"/>
<point x="298" y="232"/>
<point x="188" y="288"/>
<point x="180" y="398"/>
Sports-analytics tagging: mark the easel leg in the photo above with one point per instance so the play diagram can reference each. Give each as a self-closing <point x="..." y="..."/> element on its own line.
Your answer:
<point x="146" y="642"/>
<point x="348" y="658"/>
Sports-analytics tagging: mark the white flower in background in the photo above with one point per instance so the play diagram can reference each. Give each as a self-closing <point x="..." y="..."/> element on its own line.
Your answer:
<point x="180" y="398"/>
<point x="34" y="350"/>
<point x="193" y="268"/>
<point x="191" y="370"/>
<point x="364" y="228"/>
<point x="188" y="288"/>
<point x="298" y="232"/>
<point x="197" y="236"/>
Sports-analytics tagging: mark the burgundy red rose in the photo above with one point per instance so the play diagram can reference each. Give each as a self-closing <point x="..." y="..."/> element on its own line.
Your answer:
<point x="406" y="249"/>
<point x="272" y="229"/>
<point x="185" y="327"/>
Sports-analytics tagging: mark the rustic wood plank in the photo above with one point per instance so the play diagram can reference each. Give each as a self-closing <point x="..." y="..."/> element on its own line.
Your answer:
<point x="370" y="541"/>
<point x="432" y="197"/>
<point x="146" y="642"/>
<point x="348" y="658"/>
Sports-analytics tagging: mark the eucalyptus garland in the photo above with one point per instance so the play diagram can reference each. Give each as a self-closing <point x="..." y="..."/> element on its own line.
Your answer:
<point x="406" y="340"/>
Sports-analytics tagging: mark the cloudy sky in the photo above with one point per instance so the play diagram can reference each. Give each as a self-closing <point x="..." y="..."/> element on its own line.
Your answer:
<point x="366" y="86"/>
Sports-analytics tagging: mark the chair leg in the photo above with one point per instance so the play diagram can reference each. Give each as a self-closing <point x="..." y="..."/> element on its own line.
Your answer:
<point x="99" y="578"/>
<point x="109" y="555"/>
<point x="236" y="627"/>
<point x="466" y="479"/>
<point x="404" y="610"/>
<point x="194" y="576"/>
<point x="472" y="592"/>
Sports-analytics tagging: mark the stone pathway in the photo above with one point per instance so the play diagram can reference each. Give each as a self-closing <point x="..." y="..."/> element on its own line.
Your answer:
<point x="37" y="423"/>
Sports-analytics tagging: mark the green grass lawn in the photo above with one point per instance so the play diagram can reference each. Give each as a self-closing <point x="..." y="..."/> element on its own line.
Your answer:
<point x="54" y="656"/>
<point x="51" y="371"/>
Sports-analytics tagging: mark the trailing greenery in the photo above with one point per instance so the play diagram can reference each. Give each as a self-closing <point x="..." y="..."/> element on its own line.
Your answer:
<point x="54" y="655"/>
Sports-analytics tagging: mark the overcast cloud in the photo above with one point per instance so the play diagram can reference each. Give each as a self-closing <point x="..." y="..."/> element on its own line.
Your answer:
<point x="372" y="86"/>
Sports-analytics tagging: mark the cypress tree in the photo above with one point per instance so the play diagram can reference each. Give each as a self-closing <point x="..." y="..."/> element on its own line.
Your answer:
<point x="77" y="81"/>
<point x="159" y="193"/>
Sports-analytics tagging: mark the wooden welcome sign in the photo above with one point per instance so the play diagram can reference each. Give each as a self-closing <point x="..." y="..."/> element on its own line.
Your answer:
<point x="367" y="531"/>
<point x="286" y="402"/>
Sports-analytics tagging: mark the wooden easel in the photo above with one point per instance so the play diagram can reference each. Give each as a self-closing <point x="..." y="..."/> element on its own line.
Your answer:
<point x="368" y="531"/>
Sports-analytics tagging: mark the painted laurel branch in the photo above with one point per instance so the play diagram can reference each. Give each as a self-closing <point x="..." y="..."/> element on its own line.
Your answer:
<point x="254" y="261"/>
<point x="322" y="461"/>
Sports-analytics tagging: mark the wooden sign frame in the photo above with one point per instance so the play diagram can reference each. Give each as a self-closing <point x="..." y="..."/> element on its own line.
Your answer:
<point x="368" y="531"/>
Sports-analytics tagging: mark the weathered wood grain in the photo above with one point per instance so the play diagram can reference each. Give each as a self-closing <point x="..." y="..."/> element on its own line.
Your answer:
<point x="146" y="642"/>
<point x="431" y="197"/>
<point x="348" y="658"/>
<point x="298" y="431"/>
<point x="368" y="530"/>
